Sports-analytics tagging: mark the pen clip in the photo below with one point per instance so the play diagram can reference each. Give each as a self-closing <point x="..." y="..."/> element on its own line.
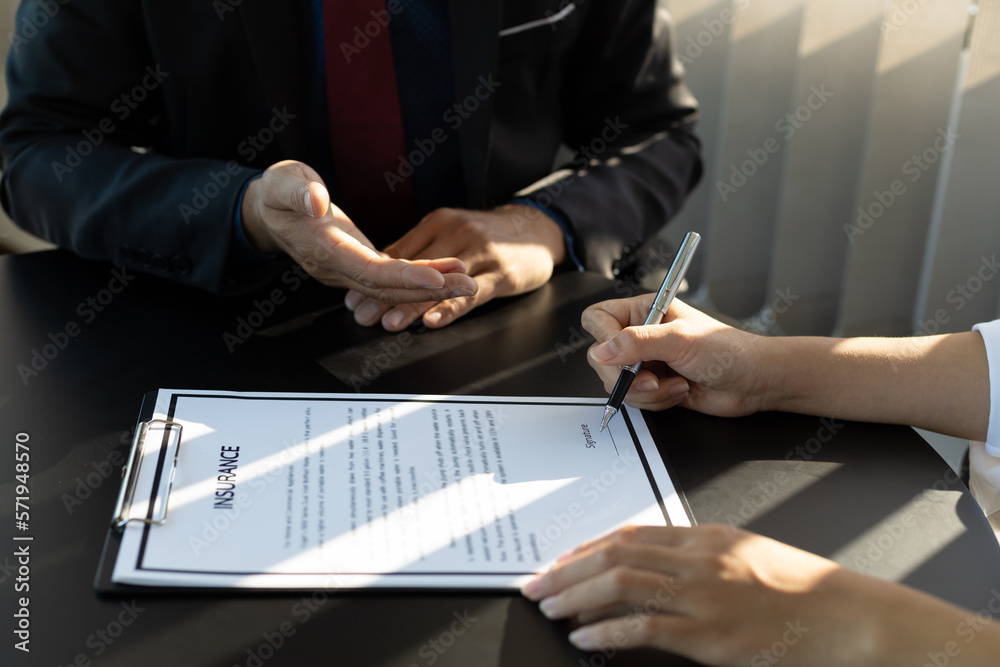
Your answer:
<point x="679" y="267"/>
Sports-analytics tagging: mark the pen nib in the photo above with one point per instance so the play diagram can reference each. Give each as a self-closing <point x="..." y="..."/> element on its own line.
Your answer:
<point x="609" y="412"/>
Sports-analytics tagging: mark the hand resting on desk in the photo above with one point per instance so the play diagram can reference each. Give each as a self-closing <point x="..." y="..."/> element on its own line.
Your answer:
<point x="508" y="251"/>
<point x="723" y="596"/>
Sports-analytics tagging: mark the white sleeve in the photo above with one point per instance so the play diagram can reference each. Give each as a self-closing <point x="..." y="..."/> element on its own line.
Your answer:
<point x="984" y="478"/>
<point x="990" y="331"/>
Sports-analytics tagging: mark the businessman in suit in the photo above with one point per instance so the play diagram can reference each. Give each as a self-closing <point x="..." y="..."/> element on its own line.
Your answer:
<point x="401" y="149"/>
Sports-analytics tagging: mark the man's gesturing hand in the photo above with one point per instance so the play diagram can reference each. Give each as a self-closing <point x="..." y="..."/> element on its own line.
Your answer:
<point x="288" y="209"/>
<point x="508" y="251"/>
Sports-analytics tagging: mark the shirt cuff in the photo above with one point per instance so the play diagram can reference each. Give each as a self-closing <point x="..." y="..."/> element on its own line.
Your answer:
<point x="242" y="250"/>
<point x="984" y="478"/>
<point x="990" y="331"/>
<point x="563" y="225"/>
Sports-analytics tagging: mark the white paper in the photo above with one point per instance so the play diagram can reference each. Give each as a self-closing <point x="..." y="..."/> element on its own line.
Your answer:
<point x="350" y="490"/>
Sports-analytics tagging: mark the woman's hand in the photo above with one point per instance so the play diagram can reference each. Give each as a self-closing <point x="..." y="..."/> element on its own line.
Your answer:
<point x="723" y="596"/>
<point x="689" y="359"/>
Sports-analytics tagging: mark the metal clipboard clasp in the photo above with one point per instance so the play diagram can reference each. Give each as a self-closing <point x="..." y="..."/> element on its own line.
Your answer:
<point x="130" y="475"/>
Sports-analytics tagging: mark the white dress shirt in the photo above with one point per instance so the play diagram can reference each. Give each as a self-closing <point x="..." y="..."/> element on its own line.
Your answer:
<point x="984" y="457"/>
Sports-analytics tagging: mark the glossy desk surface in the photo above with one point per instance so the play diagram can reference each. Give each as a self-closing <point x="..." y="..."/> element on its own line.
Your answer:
<point x="876" y="498"/>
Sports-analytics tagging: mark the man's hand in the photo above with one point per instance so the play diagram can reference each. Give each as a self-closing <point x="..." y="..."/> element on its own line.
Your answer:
<point x="288" y="209"/>
<point x="722" y="370"/>
<point x="508" y="251"/>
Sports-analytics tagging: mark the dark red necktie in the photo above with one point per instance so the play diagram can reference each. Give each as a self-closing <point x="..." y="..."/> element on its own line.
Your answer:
<point x="366" y="125"/>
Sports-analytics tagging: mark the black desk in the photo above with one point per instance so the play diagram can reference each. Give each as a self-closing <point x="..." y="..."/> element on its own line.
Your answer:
<point x="877" y="498"/>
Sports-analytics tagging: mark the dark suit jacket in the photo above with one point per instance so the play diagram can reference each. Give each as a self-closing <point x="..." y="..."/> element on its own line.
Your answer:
<point x="132" y="125"/>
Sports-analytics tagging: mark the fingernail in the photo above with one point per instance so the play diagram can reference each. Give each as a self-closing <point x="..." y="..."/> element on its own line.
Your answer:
<point x="366" y="314"/>
<point x="422" y="277"/>
<point x="604" y="352"/>
<point x="530" y="590"/>
<point x="353" y="299"/>
<point x="648" y="385"/>
<point x="548" y="606"/>
<point x="460" y="292"/>
<point x="309" y="205"/>
<point x="432" y="318"/>
<point x="582" y="638"/>
<point x="679" y="389"/>
<point x="394" y="319"/>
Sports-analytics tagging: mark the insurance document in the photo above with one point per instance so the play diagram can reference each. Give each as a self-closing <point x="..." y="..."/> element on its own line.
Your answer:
<point x="304" y="491"/>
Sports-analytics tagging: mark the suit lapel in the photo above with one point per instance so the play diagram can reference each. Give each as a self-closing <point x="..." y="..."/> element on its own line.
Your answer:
<point x="474" y="28"/>
<point x="273" y="32"/>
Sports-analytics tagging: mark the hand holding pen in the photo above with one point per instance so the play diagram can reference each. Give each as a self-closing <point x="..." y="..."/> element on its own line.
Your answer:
<point x="671" y="283"/>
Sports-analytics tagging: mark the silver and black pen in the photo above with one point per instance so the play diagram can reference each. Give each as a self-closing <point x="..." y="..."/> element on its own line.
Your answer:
<point x="671" y="283"/>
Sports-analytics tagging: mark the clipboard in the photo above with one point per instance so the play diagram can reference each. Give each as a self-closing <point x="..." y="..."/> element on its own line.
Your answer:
<point x="122" y="514"/>
<point x="103" y="583"/>
<point x="164" y="438"/>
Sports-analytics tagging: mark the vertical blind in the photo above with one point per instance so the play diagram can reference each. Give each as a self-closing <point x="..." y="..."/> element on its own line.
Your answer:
<point x="852" y="148"/>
